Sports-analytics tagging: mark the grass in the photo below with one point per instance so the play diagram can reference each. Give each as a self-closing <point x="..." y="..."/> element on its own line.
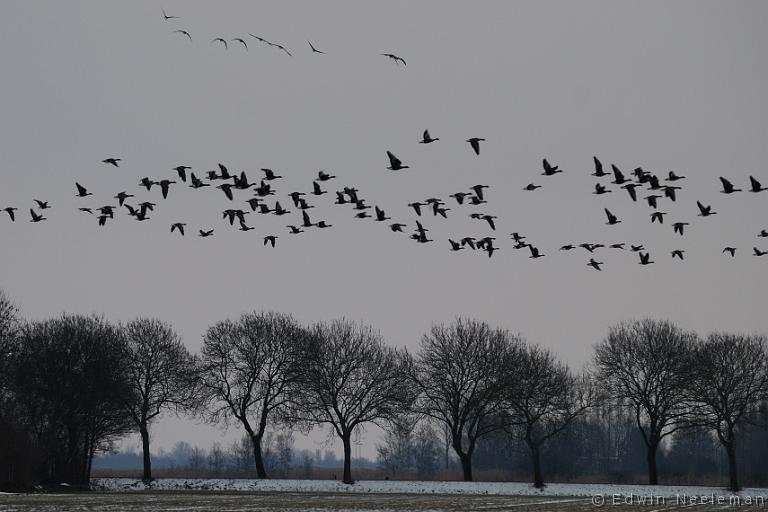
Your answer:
<point x="279" y="502"/>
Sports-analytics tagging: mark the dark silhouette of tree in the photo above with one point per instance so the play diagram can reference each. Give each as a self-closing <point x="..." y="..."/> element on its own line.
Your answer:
<point x="542" y="399"/>
<point x="9" y="332"/>
<point x="730" y="382"/>
<point x="460" y="374"/>
<point x="69" y="378"/>
<point x="161" y="372"/>
<point x="350" y="378"/>
<point x="248" y="369"/>
<point x="646" y="365"/>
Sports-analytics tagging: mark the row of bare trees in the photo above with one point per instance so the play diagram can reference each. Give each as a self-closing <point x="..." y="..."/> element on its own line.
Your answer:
<point x="75" y="384"/>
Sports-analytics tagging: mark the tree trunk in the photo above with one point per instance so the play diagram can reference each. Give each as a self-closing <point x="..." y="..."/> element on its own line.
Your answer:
<point x="258" y="458"/>
<point x="538" y="478"/>
<point x="734" y="480"/>
<point x="144" y="431"/>
<point x="347" y="439"/>
<point x="466" y="466"/>
<point x="653" y="476"/>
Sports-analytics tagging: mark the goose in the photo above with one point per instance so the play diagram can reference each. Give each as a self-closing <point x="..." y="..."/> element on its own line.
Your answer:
<point x="81" y="191"/>
<point x="677" y="253"/>
<point x="475" y="143"/>
<point x="612" y="219"/>
<point x="397" y="227"/>
<point x="645" y="259"/>
<point x="595" y="264"/>
<point x="705" y="211"/>
<point x="206" y="233"/>
<point x="598" y="168"/>
<point x="111" y="161"/>
<point x="314" y="50"/>
<point x="10" y="211"/>
<point x="730" y="250"/>
<point x="679" y="227"/>
<point x="36" y="217"/>
<point x="395" y="164"/>
<point x="427" y="138"/>
<point x="550" y="170"/>
<point x="394" y="57"/>
<point x="755" y="185"/>
<point x="182" y="171"/>
<point x="728" y="186"/>
<point x="178" y="226"/>
<point x="183" y="32"/>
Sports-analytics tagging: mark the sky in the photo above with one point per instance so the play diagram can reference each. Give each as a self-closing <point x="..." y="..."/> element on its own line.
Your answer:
<point x="660" y="85"/>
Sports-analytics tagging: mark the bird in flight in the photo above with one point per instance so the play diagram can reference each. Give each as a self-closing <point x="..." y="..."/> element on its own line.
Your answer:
<point x="43" y="205"/>
<point x="314" y="50"/>
<point x="394" y="57"/>
<point x="600" y="189"/>
<point x="270" y="239"/>
<point x="674" y="177"/>
<point x="598" y="169"/>
<point x="679" y="227"/>
<point x="168" y="17"/>
<point x="241" y="41"/>
<point x="630" y="187"/>
<point x="755" y="185"/>
<point x="475" y="143"/>
<point x="645" y="258"/>
<point x="678" y="253"/>
<point x="730" y="250"/>
<point x="206" y="233"/>
<point x="164" y="186"/>
<point x="81" y="191"/>
<point x="112" y="161"/>
<point x="426" y="138"/>
<point x="182" y="171"/>
<point x="10" y="211"/>
<point x="728" y="186"/>
<point x="658" y="216"/>
<point x="758" y="252"/>
<point x="394" y="163"/>
<point x="222" y="40"/>
<point x="595" y="264"/>
<point x="35" y="216"/>
<point x="183" y="32"/>
<point x="535" y="252"/>
<point x="550" y="169"/>
<point x="612" y="219"/>
<point x="179" y="226"/>
<point x="270" y="175"/>
<point x="619" y="178"/>
<point x="705" y="211"/>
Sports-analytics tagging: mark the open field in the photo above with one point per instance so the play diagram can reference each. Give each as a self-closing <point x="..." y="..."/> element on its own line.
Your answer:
<point x="266" y="502"/>
<point x="327" y="495"/>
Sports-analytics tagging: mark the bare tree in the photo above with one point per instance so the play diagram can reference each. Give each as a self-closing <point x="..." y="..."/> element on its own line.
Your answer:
<point x="459" y="374"/>
<point x="69" y="379"/>
<point x="542" y="399"/>
<point x="161" y="372"/>
<point x="730" y="382"/>
<point x="350" y="378"/>
<point x="247" y="370"/>
<point x="9" y="331"/>
<point x="646" y="365"/>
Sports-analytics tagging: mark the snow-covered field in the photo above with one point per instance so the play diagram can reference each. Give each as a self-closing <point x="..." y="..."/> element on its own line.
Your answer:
<point x="413" y="487"/>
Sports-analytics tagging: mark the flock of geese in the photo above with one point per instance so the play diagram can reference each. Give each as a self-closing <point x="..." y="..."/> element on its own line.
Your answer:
<point x="233" y="184"/>
<point x="224" y="42"/>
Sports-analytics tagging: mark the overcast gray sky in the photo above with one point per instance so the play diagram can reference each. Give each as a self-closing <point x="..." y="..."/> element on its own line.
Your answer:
<point x="663" y="85"/>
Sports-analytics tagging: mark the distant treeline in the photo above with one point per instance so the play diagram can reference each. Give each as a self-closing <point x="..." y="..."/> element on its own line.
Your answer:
<point x="653" y="399"/>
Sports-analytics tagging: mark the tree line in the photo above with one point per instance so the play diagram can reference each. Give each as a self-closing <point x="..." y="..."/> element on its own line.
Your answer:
<point x="71" y="386"/>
